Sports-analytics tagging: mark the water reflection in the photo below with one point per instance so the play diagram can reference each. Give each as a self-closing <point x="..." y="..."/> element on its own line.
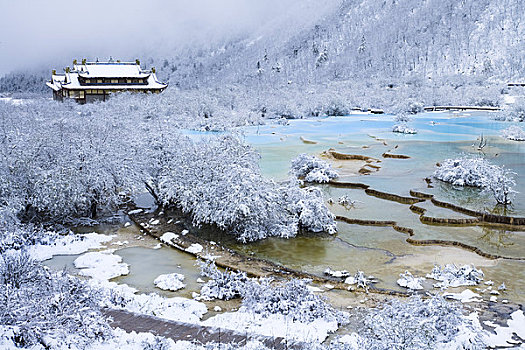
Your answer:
<point x="440" y="136"/>
<point x="146" y="264"/>
<point x="499" y="238"/>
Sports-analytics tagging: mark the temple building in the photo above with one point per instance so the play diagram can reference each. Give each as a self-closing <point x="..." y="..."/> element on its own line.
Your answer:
<point x="96" y="81"/>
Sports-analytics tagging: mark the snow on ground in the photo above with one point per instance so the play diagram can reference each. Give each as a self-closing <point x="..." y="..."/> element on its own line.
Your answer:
<point x="125" y="341"/>
<point x="502" y="336"/>
<point x="175" y="309"/>
<point x="172" y="281"/>
<point x="140" y="341"/>
<point x="124" y="297"/>
<point x="195" y="248"/>
<point x="409" y="281"/>
<point x="14" y="101"/>
<point x="7" y="335"/>
<point x="274" y="325"/>
<point x="136" y="211"/>
<point x="466" y="296"/>
<point x="336" y="273"/>
<point x="133" y="341"/>
<point x="350" y="340"/>
<point x="452" y="276"/>
<point x="71" y="244"/>
<point x="469" y="330"/>
<point x="101" y="265"/>
<point x="315" y="289"/>
<point x="403" y="128"/>
<point x="167" y="237"/>
<point x="509" y="99"/>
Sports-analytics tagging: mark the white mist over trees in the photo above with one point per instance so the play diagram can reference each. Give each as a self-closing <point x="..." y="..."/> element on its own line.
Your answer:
<point x="367" y="39"/>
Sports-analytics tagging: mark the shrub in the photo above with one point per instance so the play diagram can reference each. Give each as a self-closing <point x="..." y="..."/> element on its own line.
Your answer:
<point x="419" y="324"/>
<point x="478" y="172"/>
<point x="403" y="128"/>
<point x="52" y="309"/>
<point x="312" y="169"/>
<point x="514" y="133"/>
<point x="291" y="298"/>
<point x="222" y="285"/>
<point x="265" y="296"/>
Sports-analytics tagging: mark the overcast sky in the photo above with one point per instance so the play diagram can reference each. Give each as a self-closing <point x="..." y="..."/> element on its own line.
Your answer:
<point x="42" y="33"/>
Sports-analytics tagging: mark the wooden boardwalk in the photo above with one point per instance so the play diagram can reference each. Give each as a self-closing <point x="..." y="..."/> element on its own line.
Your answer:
<point x="129" y="322"/>
<point x="460" y="108"/>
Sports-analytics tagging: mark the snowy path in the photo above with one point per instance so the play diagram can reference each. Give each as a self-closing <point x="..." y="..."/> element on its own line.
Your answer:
<point x="185" y="331"/>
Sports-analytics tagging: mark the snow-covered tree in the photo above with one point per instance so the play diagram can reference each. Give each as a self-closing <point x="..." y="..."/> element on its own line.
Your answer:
<point x="514" y="112"/>
<point x="61" y="162"/>
<point x="514" y="133"/>
<point x="219" y="182"/>
<point x="57" y="165"/>
<point x="312" y="169"/>
<point x="478" y="172"/>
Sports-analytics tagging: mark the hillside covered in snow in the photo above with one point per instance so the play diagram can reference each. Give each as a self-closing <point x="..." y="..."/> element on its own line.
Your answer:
<point x="310" y="45"/>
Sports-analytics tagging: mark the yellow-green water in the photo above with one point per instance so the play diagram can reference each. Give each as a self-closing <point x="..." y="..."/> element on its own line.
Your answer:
<point x="380" y="251"/>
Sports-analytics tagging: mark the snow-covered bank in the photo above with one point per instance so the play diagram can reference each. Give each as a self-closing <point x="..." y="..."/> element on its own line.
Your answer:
<point x="71" y="244"/>
<point x="505" y="336"/>
<point x="514" y="133"/>
<point x="274" y="325"/>
<point x="122" y="340"/>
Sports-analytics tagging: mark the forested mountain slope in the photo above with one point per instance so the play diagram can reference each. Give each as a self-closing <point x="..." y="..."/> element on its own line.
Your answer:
<point x="363" y="39"/>
<point x="317" y="43"/>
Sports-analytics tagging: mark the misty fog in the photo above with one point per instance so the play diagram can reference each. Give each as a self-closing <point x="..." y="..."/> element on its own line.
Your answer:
<point x="50" y="33"/>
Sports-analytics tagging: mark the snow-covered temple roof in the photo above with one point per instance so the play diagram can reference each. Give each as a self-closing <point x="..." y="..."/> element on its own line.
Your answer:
<point x="110" y="70"/>
<point x="106" y="76"/>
